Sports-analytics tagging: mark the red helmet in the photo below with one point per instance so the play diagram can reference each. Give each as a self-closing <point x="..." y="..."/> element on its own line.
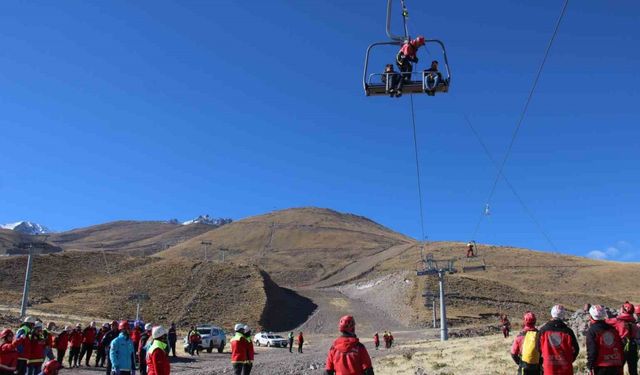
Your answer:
<point x="529" y="319"/>
<point x="124" y="326"/>
<point x="419" y="41"/>
<point x="627" y="307"/>
<point x="51" y="367"/>
<point x="347" y="324"/>
<point x="5" y="333"/>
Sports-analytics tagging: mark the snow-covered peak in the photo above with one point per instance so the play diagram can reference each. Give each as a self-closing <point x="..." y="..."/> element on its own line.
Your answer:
<point x="26" y="227"/>
<point x="206" y="219"/>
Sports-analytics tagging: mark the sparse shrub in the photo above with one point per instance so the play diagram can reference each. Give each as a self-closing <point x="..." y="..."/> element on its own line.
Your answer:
<point x="408" y="354"/>
<point x="438" y="365"/>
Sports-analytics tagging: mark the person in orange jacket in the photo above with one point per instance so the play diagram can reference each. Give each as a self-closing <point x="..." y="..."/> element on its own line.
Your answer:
<point x="75" y="341"/>
<point x="347" y="355"/>
<point x="241" y="351"/>
<point x="157" y="356"/>
<point x="8" y="353"/>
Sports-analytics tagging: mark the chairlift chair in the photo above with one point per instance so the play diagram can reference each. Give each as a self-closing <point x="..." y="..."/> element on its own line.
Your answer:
<point x="418" y="82"/>
<point x="475" y="263"/>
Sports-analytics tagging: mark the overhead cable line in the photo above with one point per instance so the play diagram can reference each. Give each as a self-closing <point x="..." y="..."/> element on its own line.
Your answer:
<point x="415" y="147"/>
<point x="523" y="113"/>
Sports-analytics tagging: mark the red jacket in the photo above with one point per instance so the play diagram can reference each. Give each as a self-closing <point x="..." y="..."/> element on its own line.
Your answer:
<point x="409" y="50"/>
<point x="62" y="341"/>
<point x="625" y="324"/>
<point x="135" y="337"/>
<point x="75" y="338"/>
<point x="37" y="346"/>
<point x="300" y="339"/>
<point x="158" y="362"/>
<point x="241" y="349"/>
<point x="376" y="339"/>
<point x="89" y="335"/>
<point x="347" y="356"/>
<point x="8" y="355"/>
<point x="558" y="347"/>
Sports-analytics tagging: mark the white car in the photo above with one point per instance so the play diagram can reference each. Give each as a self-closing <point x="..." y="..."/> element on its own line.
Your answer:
<point x="212" y="338"/>
<point x="270" y="339"/>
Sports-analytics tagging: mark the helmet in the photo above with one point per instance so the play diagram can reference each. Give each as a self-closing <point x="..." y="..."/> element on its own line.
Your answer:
<point x="158" y="332"/>
<point x="627" y="308"/>
<point x="239" y="327"/>
<point x="419" y="41"/>
<point x="347" y="324"/>
<point x="529" y="319"/>
<point x="123" y="325"/>
<point x="247" y="329"/>
<point x="148" y="326"/>
<point x="51" y="367"/>
<point x="29" y="319"/>
<point x="38" y="325"/>
<point x="5" y="333"/>
<point x="597" y="312"/>
<point x="92" y="324"/>
<point x="106" y="325"/>
<point x="66" y="328"/>
<point x="558" y="312"/>
<point x="79" y="326"/>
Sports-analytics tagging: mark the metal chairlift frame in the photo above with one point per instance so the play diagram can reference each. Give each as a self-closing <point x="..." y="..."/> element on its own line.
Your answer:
<point x="419" y="85"/>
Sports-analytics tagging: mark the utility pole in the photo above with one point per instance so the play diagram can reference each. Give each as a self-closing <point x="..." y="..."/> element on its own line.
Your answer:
<point x="430" y="267"/>
<point x="206" y="245"/>
<point x="27" y="282"/>
<point x="139" y="298"/>
<point x="223" y="251"/>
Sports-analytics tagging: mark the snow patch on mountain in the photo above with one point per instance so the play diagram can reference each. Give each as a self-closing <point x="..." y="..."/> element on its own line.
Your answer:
<point x="26" y="227"/>
<point x="206" y="219"/>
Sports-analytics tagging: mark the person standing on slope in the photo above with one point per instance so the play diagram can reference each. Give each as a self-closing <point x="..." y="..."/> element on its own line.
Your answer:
<point x="290" y="342"/>
<point x="376" y="340"/>
<point x="37" y="349"/>
<point x="173" y="338"/>
<point x="248" y="366"/>
<point x="88" y="340"/>
<point x="75" y="341"/>
<point x="525" y="350"/>
<point x="122" y="353"/>
<point x="106" y="342"/>
<point x="505" y="325"/>
<point x="21" y="344"/>
<point x="142" y="348"/>
<point x="558" y="344"/>
<point x="157" y="357"/>
<point x="100" y="353"/>
<point x="604" y="347"/>
<point x="624" y="323"/>
<point x="347" y="355"/>
<point x="300" y="342"/>
<point x="62" y="343"/>
<point x="240" y="351"/>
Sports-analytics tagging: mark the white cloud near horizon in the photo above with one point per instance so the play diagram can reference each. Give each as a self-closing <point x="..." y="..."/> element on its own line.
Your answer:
<point x="622" y="250"/>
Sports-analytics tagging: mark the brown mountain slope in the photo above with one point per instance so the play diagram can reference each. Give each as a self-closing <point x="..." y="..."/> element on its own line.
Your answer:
<point x="16" y="243"/>
<point x="297" y="245"/>
<point x="135" y="237"/>
<point x="516" y="280"/>
<point x="179" y="290"/>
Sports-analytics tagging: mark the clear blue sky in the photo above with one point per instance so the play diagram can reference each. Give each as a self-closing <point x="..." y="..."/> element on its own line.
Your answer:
<point x="154" y="110"/>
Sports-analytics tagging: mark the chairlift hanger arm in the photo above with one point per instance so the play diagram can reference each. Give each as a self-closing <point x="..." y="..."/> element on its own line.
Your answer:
<point x="391" y="36"/>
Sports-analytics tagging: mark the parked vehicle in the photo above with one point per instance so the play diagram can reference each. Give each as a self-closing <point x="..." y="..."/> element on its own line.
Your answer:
<point x="212" y="338"/>
<point x="270" y="339"/>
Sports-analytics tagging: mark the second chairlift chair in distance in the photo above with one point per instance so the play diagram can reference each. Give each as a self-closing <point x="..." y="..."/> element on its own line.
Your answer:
<point x="424" y="82"/>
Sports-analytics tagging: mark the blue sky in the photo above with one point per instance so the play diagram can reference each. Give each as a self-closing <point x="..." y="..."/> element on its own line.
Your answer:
<point x="155" y="110"/>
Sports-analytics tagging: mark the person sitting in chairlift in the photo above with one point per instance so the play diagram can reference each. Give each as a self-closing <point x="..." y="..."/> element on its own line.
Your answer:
<point x="433" y="77"/>
<point x="392" y="76"/>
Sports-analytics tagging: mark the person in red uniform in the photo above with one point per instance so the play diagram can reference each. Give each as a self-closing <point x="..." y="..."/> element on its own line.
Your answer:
<point x="505" y="325"/>
<point x="88" y="340"/>
<point x="300" y="342"/>
<point x="470" y="252"/>
<point x="51" y="368"/>
<point x="604" y="346"/>
<point x="558" y="344"/>
<point x="136" y="334"/>
<point x="61" y="343"/>
<point x="625" y="324"/>
<point x="75" y="341"/>
<point x="404" y="58"/>
<point x="525" y="350"/>
<point x="157" y="357"/>
<point x="37" y="349"/>
<point x="241" y="351"/>
<point x="376" y="340"/>
<point x="8" y="353"/>
<point x="347" y="355"/>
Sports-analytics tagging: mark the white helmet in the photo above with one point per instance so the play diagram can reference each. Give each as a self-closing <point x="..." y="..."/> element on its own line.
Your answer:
<point x="38" y="325"/>
<point x="239" y="327"/>
<point x="558" y="312"/>
<point x="598" y="312"/>
<point x="158" y="331"/>
<point x="29" y="319"/>
<point x="247" y="329"/>
<point x="93" y="324"/>
<point x="148" y="326"/>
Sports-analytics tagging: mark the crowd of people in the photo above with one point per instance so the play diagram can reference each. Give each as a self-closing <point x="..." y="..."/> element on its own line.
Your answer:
<point x="119" y="346"/>
<point x="611" y="343"/>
